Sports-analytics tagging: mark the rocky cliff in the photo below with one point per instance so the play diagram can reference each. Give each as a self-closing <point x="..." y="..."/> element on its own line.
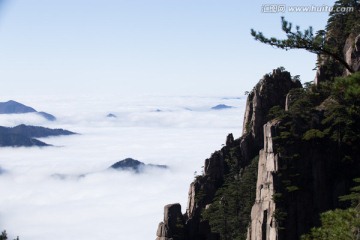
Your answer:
<point x="351" y="55"/>
<point x="305" y="166"/>
<point x="263" y="223"/>
<point x="351" y="52"/>
<point x="173" y="225"/>
<point x="269" y="92"/>
<point x="298" y="154"/>
<point x="232" y="161"/>
<point x="287" y="168"/>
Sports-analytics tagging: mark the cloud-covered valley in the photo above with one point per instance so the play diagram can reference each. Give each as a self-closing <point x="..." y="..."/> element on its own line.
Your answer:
<point x="106" y="203"/>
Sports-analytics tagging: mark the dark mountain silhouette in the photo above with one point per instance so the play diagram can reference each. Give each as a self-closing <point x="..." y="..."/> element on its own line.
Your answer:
<point x="23" y="135"/>
<point x="13" y="107"/>
<point x="47" y="116"/>
<point x="38" y="132"/>
<point x="111" y="115"/>
<point x="221" y="107"/>
<point x="134" y="165"/>
<point x="14" y="140"/>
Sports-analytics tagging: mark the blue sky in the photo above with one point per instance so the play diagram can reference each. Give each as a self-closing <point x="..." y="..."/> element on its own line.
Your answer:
<point x="131" y="47"/>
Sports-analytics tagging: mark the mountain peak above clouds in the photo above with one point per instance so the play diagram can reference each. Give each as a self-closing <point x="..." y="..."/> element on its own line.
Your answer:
<point x="13" y="107"/>
<point x="221" y="107"/>
<point x="134" y="165"/>
<point x="24" y="136"/>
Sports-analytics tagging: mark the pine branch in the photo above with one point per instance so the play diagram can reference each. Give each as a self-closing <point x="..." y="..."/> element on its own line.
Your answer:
<point x="300" y="40"/>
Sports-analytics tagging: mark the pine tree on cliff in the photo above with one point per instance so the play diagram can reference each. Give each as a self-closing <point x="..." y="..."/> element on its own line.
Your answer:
<point x="302" y="40"/>
<point x="339" y="27"/>
<point x="326" y="43"/>
<point x="341" y="24"/>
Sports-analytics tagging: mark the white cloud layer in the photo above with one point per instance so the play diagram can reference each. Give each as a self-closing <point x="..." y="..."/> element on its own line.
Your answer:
<point x="106" y="203"/>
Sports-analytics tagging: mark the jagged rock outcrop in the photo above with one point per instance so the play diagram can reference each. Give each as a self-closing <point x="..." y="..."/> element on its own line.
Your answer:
<point x="263" y="223"/>
<point x="214" y="166"/>
<point x="172" y="228"/>
<point x="202" y="192"/>
<point x="297" y="184"/>
<point x="229" y="139"/>
<point x="306" y="157"/>
<point x="190" y="208"/>
<point x="269" y="92"/>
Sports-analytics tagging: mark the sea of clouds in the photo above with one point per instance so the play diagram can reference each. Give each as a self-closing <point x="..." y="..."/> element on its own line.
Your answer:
<point x="90" y="201"/>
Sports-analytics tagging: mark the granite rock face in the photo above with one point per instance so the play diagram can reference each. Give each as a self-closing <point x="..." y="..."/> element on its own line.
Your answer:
<point x="263" y="224"/>
<point x="352" y="52"/>
<point x="172" y="228"/>
<point x="304" y="182"/>
<point x="289" y="100"/>
<point x="317" y="186"/>
<point x="269" y="92"/>
<point x="214" y="166"/>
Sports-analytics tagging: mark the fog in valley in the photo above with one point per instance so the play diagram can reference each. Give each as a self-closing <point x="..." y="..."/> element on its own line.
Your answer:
<point x="67" y="191"/>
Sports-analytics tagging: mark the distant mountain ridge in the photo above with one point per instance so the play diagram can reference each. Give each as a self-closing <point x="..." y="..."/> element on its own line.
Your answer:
<point x="221" y="107"/>
<point x="128" y="164"/>
<point x="134" y="165"/>
<point x="111" y="115"/>
<point x="48" y="116"/>
<point x="24" y="136"/>
<point x="13" y="107"/>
